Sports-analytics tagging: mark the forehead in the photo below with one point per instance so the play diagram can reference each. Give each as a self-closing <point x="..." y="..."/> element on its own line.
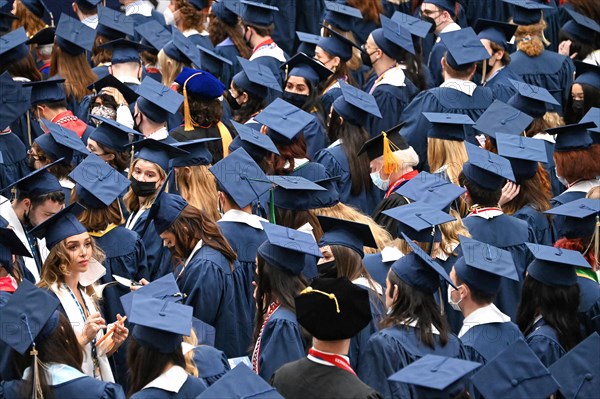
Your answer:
<point x="429" y="6"/>
<point x="146" y="166"/>
<point x="297" y="80"/>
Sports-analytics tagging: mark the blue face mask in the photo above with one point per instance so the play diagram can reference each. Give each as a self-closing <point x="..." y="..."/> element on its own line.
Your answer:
<point x="379" y="182"/>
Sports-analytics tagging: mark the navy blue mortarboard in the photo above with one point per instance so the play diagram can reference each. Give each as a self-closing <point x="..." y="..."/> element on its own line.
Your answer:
<point x="182" y="49"/>
<point x="447" y="5"/>
<point x="205" y="333"/>
<point x="436" y="377"/>
<point x="98" y="183"/>
<point x="37" y="7"/>
<point x="110" y="81"/>
<point x="495" y="31"/>
<point x="154" y="34"/>
<point x="73" y="36"/>
<point x="555" y="266"/>
<point x="199" y="154"/>
<point x="531" y="99"/>
<point x="355" y="105"/>
<point x="464" y="48"/>
<point x="341" y="16"/>
<point x="337" y="45"/>
<point x="199" y="4"/>
<point x="44" y="37"/>
<point x="254" y="142"/>
<point x="113" y="24"/>
<point x="572" y="137"/>
<point x="486" y="169"/>
<point x="113" y="134"/>
<point x="346" y="233"/>
<point x="89" y="3"/>
<point x="10" y="244"/>
<point x="124" y="50"/>
<point x="419" y="270"/>
<point x="431" y="189"/>
<point x="392" y="38"/>
<point x="416" y="26"/>
<point x="419" y="220"/>
<point x="580" y="217"/>
<point x="297" y="193"/>
<point x="482" y="266"/>
<point x="447" y="126"/>
<point x="523" y="153"/>
<point x="240" y="383"/>
<point x="308" y="42"/>
<point x="284" y="120"/>
<point x="38" y="182"/>
<point x="527" y="12"/>
<point x="156" y="100"/>
<point x="516" y="372"/>
<point x="287" y="248"/>
<point x="14" y="98"/>
<point x="200" y="83"/>
<point x="308" y="68"/>
<point x="211" y="61"/>
<point x="587" y="74"/>
<point x="256" y="13"/>
<point x="157" y="152"/>
<point x="47" y="91"/>
<point x="240" y="177"/>
<point x="60" y="142"/>
<point x="166" y="209"/>
<point x="13" y="46"/>
<point x="581" y="27"/>
<point x="160" y="324"/>
<point x="29" y="316"/>
<point x="255" y="78"/>
<point x="577" y="370"/>
<point x="593" y="115"/>
<point x="502" y="118"/>
<point x="375" y="147"/>
<point x="164" y="288"/>
<point x="6" y="17"/>
<point x="61" y="225"/>
<point x="227" y="11"/>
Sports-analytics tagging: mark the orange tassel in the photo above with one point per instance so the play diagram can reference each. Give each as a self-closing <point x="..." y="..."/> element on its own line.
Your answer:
<point x="187" y="117"/>
<point x="390" y="163"/>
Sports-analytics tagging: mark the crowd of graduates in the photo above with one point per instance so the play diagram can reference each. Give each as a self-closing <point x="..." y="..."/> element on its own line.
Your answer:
<point x="299" y="199"/>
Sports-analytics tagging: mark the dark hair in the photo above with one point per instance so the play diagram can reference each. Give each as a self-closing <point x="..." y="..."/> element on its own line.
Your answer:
<point x="250" y="107"/>
<point x="577" y="46"/>
<point x="261" y="30"/>
<point x="413" y="68"/>
<point x="557" y="305"/>
<point x="56" y="105"/>
<point x="296" y="149"/>
<point x="61" y="170"/>
<point x="349" y="264"/>
<point x="479" y="195"/>
<point x="591" y="98"/>
<point x="535" y="192"/>
<point x="296" y="219"/>
<point x="219" y="31"/>
<point x="23" y="68"/>
<point x="101" y="55"/>
<point x="538" y="125"/>
<point x="146" y="364"/>
<point x="478" y="296"/>
<point x="56" y="196"/>
<point x="313" y="102"/>
<point x="505" y="60"/>
<point x="86" y="8"/>
<point x="204" y="111"/>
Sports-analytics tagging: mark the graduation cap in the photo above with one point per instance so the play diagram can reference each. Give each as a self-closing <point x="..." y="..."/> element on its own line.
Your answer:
<point x="531" y="99"/>
<point x="38" y="8"/>
<point x="502" y="118"/>
<point x="523" y="153"/>
<point x="346" y="233"/>
<point x="14" y="99"/>
<point x="527" y="12"/>
<point x="256" y="13"/>
<point x="284" y="120"/>
<point x="341" y="16"/>
<point x="436" y="377"/>
<point x="200" y="84"/>
<point x="587" y="74"/>
<point x="253" y="141"/>
<point x="166" y="209"/>
<point x="38" y="182"/>
<point x="6" y="16"/>
<point x="299" y="194"/>
<point x="47" y="91"/>
<point x="160" y="324"/>
<point x="164" y="288"/>
<point x="308" y="68"/>
<point x="419" y="220"/>
<point x="577" y="371"/>
<point x="59" y="226"/>
<point x="157" y="101"/>
<point x="447" y="5"/>
<point x="10" y="244"/>
<point x="581" y="27"/>
<point x="13" y="46"/>
<point x="154" y="34"/>
<point x="211" y="61"/>
<point x="199" y="154"/>
<point x="287" y="248"/>
<point x="240" y="383"/>
<point x="88" y="3"/>
<point x="486" y="169"/>
<point x="384" y="146"/>
<point x="392" y="38"/>
<point x="111" y="81"/>
<point x="97" y="183"/>
<point x="157" y="152"/>
<point x="44" y="37"/>
<point x="593" y="115"/>
<point x="555" y="266"/>
<point x="431" y="189"/>
<point x="73" y="36"/>
<point x="516" y="372"/>
<point x="113" y="24"/>
<point x="227" y="11"/>
<point x="333" y="309"/>
<point x="113" y="134"/>
<point x="572" y="137"/>
<point x="182" y="49"/>
<point x="337" y="44"/>
<point x="124" y="50"/>
<point x="60" y="142"/>
<point x="447" y="126"/>
<point x="464" y="48"/>
<point x="580" y="217"/>
<point x="256" y="78"/>
<point x="416" y="26"/>
<point x="308" y="42"/>
<point x="355" y="105"/>
<point x="495" y="31"/>
<point x="199" y="4"/>
<point x="240" y="177"/>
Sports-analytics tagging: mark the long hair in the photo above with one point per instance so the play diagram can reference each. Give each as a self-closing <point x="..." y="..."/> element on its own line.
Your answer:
<point x="349" y="264"/>
<point x="28" y="20"/>
<point x="191" y="17"/>
<point x="370" y="9"/>
<point x="557" y="305"/>
<point x="131" y="200"/>
<point x="101" y="55"/>
<point x="75" y="70"/>
<point x="121" y="159"/>
<point x="23" y="68"/>
<point x="591" y="98"/>
<point x="204" y="112"/>
<point x="219" y="31"/>
<point x="61" y="170"/>
<point x="296" y="149"/>
<point x="576" y="165"/>
<point x="98" y="219"/>
<point x="169" y="68"/>
<point x="450" y="153"/>
<point x="296" y="219"/>
<point x="413" y="67"/>
<point x="199" y="188"/>
<point x="530" y="38"/>
<point x="535" y="192"/>
<point x="251" y="107"/>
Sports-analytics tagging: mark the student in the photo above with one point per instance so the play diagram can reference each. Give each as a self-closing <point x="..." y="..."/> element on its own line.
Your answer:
<point x="87" y="12"/>
<point x="577" y="37"/>
<point x="156" y="110"/>
<point x="125" y="61"/>
<point x="180" y="51"/>
<point x="157" y="36"/>
<point x="240" y="383"/>
<point x="190" y="19"/>
<point x="584" y="92"/>
<point x="111" y="25"/>
<point x="30" y="15"/>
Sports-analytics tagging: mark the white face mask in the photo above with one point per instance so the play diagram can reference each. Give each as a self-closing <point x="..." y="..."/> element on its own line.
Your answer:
<point x="451" y="301"/>
<point x="169" y="17"/>
<point x="562" y="180"/>
<point x="379" y="182"/>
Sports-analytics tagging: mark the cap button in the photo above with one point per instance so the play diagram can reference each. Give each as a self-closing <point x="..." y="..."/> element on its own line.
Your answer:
<point x="417" y="214"/>
<point x="589" y="377"/>
<point x="514" y="382"/>
<point x="284" y="117"/>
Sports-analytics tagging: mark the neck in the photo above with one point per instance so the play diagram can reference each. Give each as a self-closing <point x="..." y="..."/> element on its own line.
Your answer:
<point x="51" y="113"/>
<point x="469" y="306"/>
<point x="400" y="173"/>
<point x="442" y="26"/>
<point x="256" y="40"/>
<point x="340" y="347"/>
<point x="72" y="280"/>
<point x="494" y="69"/>
<point x="383" y="64"/>
<point x="149" y="129"/>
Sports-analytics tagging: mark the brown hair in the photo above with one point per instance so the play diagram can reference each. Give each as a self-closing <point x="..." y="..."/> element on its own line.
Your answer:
<point x="578" y="164"/>
<point x="204" y="111"/>
<point x="100" y="55"/>
<point x="296" y="149"/>
<point x="455" y="73"/>
<point x="23" y="68"/>
<point x="121" y="159"/>
<point x="370" y="9"/>
<point x="199" y="188"/>
<point x="191" y="17"/>
<point x="98" y="219"/>
<point x="219" y="31"/>
<point x="75" y="70"/>
<point x="450" y="153"/>
<point x="296" y="219"/>
<point x="535" y="192"/>
<point x="349" y="264"/>
<point x="61" y="170"/>
<point x="505" y="60"/>
<point x="261" y="30"/>
<point x="530" y="38"/>
<point x="149" y="58"/>
<point x="131" y="200"/>
<point x="28" y="20"/>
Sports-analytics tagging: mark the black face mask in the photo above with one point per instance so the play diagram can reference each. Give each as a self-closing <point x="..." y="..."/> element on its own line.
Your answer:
<point x="578" y="107"/>
<point x="431" y="21"/>
<point x="295" y="99"/>
<point x="366" y="59"/>
<point x="31" y="163"/>
<point x="232" y="101"/>
<point x="142" y="188"/>
<point x="136" y="126"/>
<point x="327" y="270"/>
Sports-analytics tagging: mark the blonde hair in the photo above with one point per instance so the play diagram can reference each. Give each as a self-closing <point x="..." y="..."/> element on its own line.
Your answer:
<point x="343" y="211"/>
<point x="190" y="366"/>
<point x="530" y="39"/>
<point x="131" y="200"/>
<point x="169" y="68"/>
<point x="199" y="188"/>
<point x="449" y="153"/>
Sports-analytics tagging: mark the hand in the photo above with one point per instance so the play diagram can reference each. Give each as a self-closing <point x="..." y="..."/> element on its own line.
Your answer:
<point x="92" y="325"/>
<point x="121" y="332"/>
<point x="509" y="191"/>
<point x="116" y="94"/>
<point x="143" y="282"/>
<point x="564" y="47"/>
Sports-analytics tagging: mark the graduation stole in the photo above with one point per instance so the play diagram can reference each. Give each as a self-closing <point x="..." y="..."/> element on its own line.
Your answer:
<point x="256" y="353"/>
<point x="332" y="358"/>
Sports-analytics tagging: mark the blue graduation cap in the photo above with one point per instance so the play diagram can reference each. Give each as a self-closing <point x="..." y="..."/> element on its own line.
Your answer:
<point x="239" y="383"/>
<point x="60" y="142"/>
<point x="255" y="13"/>
<point x="486" y="169"/>
<point x="61" y="225"/>
<point x="182" y="49"/>
<point x="37" y="7"/>
<point x="47" y="91"/>
<point x="157" y="101"/>
<point x="416" y="26"/>
<point x="164" y="288"/>
<point x="124" y="50"/>
<point x="160" y="324"/>
<point x="464" y="48"/>
<point x="308" y="42"/>
<point x="555" y="266"/>
<point x="199" y="4"/>
<point x="482" y="265"/>
<point x="495" y="31"/>
<point x="581" y="27"/>
<point x="240" y="177"/>
<point x="299" y="194"/>
<point x="577" y="371"/>
<point x="431" y="189"/>
<point x="346" y="233"/>
<point x="89" y="3"/>
<point x="254" y="142"/>
<point x="337" y="44"/>
<point x="419" y="270"/>
<point x="308" y="68"/>
<point x="502" y="118"/>
<point x="516" y="372"/>
<point x="38" y="182"/>
<point x="572" y="137"/>
<point x="113" y="134"/>
<point x="375" y="147"/>
<point x="341" y="16"/>
<point x="419" y="220"/>
<point x="44" y="37"/>
<point x="531" y="99"/>
<point x="98" y="183"/>
<point x="436" y="377"/>
<point x="355" y="105"/>
<point x="6" y="17"/>
<point x="284" y="120"/>
<point x="113" y="24"/>
<point x="593" y="115"/>
<point x="73" y="36"/>
<point x="447" y="126"/>
<point x="165" y="209"/>
<point x="523" y="153"/>
<point x="10" y="244"/>
<point x="447" y="5"/>
<point x="587" y="74"/>
<point x="580" y="217"/>
<point x="392" y="38"/>
<point x="199" y="83"/>
<point x="227" y="11"/>
<point x="256" y="78"/>
<point x="156" y="151"/>
<point x="154" y="34"/>
<point x="13" y="46"/>
<point x="211" y="61"/>
<point x="14" y="99"/>
<point x="199" y="154"/>
<point x="527" y="12"/>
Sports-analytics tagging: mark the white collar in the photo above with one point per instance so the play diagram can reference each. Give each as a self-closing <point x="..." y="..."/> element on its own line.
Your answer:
<point x="171" y="380"/>
<point x="196" y="249"/>
<point x="583" y="186"/>
<point x="92" y="21"/>
<point x="363" y="282"/>
<point x="307" y="228"/>
<point x="139" y="7"/>
<point x="545" y="136"/>
<point x="489" y="214"/>
<point x="190" y="32"/>
<point x="59" y="373"/>
<point x="335" y="143"/>
<point x="239" y="216"/>
<point x="485" y="315"/>
<point x="450" y="28"/>
<point x="66" y="183"/>
<point x="160" y="134"/>
<point x="393" y="77"/>
<point x="390" y="254"/>
<point x="297" y="163"/>
<point x="414" y="325"/>
<point x="464" y="86"/>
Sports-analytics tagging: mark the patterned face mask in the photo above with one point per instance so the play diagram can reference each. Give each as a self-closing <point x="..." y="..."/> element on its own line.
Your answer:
<point x="103" y="110"/>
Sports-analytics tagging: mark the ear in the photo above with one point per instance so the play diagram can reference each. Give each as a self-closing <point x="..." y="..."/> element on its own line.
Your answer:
<point x="187" y="170"/>
<point x="336" y="61"/>
<point x="396" y="293"/>
<point x="110" y="157"/>
<point x="110" y="70"/>
<point x="263" y="129"/>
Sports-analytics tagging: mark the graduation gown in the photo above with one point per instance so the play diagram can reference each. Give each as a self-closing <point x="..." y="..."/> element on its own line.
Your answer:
<point x="556" y="186"/>
<point x="538" y="223"/>
<point x="25" y="127"/>
<point x="576" y="191"/>
<point x="378" y="266"/>
<point x="589" y="303"/>
<point x="394" y="348"/>
<point x="315" y="137"/>
<point x="311" y="171"/>
<point x="200" y="40"/>
<point x="212" y="364"/>
<point x="358" y="343"/>
<point x="544" y="342"/>
<point x="13" y="160"/>
<point x="500" y="85"/>
<point x="8" y="370"/>
<point x="215" y="147"/>
<point x="228" y="50"/>
<point x="305" y="379"/>
<point x="173" y="383"/>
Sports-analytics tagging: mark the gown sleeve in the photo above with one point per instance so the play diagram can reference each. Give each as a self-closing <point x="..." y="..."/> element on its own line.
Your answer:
<point x="314" y="135"/>
<point x="548" y="350"/>
<point x="113" y="391"/>
<point x="281" y="343"/>
<point x="204" y="285"/>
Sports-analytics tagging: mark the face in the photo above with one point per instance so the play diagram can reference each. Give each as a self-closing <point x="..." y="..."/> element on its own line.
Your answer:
<point x="391" y="293"/>
<point x="241" y="98"/>
<point x="434" y="12"/>
<point x="371" y="48"/>
<point x="327" y="255"/>
<point x="169" y="240"/>
<point x="44" y="211"/>
<point x="145" y="171"/>
<point x="297" y="84"/>
<point x="326" y="58"/>
<point x="94" y="148"/>
<point x="577" y="92"/>
<point x="38" y="159"/>
<point x="79" y="248"/>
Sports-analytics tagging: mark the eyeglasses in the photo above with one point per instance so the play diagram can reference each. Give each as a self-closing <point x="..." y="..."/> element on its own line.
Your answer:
<point x="429" y="13"/>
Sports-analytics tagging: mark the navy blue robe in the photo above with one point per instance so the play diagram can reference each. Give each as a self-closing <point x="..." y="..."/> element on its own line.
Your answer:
<point x="434" y="63"/>
<point x="483" y="342"/>
<point x="500" y="85"/>
<point x="558" y="220"/>
<point x="191" y="388"/>
<point x="556" y="186"/>
<point x="101" y="71"/>
<point x="543" y="340"/>
<point x="455" y="318"/>
<point x="13" y="160"/>
<point x="311" y="170"/>
<point x="315" y="137"/>
<point x="496" y="10"/>
<point x="538" y="223"/>
<point x="392" y="100"/>
<point x="377" y="268"/>
<point x="358" y="343"/>
<point x="589" y="304"/>
<point x="20" y="128"/>
<point x="212" y="364"/>
<point x="228" y="50"/>
<point x="8" y="370"/>
<point x="201" y="40"/>
<point x="139" y="19"/>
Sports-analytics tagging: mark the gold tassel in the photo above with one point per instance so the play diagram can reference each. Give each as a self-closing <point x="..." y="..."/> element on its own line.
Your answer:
<point x="187" y="117"/>
<point x="36" y="392"/>
<point x="310" y="290"/>
<point x="390" y="163"/>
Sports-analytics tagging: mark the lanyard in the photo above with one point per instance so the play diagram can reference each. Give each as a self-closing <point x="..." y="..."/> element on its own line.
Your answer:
<point x="256" y="353"/>
<point x="333" y="359"/>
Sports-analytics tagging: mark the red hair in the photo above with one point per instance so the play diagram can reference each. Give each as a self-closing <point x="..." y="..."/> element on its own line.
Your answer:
<point x="579" y="245"/>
